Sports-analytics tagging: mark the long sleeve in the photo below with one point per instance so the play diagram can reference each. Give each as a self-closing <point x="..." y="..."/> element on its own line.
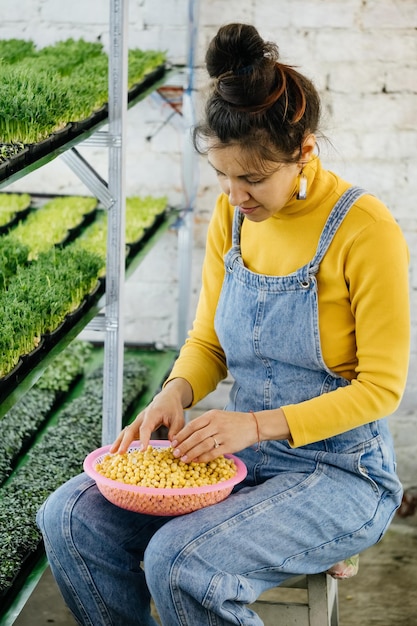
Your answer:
<point x="376" y="274"/>
<point x="202" y="361"/>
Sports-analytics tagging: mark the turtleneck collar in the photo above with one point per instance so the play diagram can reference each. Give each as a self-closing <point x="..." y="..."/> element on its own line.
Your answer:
<point x="320" y="184"/>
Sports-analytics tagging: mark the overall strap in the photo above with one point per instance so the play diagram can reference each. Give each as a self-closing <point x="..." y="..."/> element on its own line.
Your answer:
<point x="238" y="218"/>
<point x="336" y="217"/>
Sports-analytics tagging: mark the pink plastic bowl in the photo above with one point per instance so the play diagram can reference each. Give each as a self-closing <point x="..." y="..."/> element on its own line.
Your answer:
<point x="160" y="501"/>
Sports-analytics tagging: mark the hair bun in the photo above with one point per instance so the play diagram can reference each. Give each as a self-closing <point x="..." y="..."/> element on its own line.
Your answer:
<point x="254" y="99"/>
<point x="238" y="48"/>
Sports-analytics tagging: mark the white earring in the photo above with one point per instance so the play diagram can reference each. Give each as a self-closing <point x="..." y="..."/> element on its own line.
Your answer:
<point x="302" y="186"/>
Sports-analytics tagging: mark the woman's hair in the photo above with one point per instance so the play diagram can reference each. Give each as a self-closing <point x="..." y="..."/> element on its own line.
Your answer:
<point x="255" y="101"/>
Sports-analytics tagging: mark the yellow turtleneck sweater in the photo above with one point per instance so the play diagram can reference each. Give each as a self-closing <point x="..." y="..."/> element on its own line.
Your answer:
<point x="362" y="297"/>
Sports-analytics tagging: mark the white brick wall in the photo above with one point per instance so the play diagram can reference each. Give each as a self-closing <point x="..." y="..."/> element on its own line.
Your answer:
<point x="363" y="59"/>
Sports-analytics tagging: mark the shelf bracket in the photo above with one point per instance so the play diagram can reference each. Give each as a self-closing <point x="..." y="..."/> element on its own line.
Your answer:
<point x="88" y="176"/>
<point x="102" y="139"/>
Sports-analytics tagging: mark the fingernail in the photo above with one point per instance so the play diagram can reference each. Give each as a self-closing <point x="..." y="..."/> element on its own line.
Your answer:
<point x="184" y="458"/>
<point x="174" y="443"/>
<point x="177" y="452"/>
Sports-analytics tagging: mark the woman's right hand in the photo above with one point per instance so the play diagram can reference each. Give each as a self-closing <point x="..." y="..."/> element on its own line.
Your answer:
<point x="166" y="409"/>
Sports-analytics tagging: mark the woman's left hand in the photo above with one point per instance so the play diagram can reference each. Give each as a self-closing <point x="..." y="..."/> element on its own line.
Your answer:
<point x="215" y="433"/>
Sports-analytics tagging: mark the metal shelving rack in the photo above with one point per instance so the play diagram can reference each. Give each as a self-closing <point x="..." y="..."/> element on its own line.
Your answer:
<point x="115" y="268"/>
<point x="112" y="196"/>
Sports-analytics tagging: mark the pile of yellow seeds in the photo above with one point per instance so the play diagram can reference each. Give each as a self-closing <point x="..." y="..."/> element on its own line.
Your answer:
<point x="157" y="467"/>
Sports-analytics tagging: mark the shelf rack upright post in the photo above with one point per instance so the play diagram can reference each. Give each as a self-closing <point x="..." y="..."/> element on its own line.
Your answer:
<point x="115" y="266"/>
<point x="189" y="166"/>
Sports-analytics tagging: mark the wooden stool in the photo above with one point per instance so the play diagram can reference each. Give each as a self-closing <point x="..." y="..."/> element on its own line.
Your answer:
<point x="310" y="600"/>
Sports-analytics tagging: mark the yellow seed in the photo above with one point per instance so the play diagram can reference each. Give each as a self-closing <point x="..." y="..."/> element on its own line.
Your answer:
<point x="157" y="467"/>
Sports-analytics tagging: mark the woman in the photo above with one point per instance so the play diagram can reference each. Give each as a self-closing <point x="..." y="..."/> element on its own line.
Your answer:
<point x="305" y="302"/>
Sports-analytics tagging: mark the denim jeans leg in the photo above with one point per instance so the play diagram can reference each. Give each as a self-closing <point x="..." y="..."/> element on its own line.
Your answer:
<point x="95" y="551"/>
<point x="205" y="568"/>
<point x="299" y="511"/>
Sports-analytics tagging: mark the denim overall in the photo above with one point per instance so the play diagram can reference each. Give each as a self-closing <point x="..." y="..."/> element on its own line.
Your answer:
<point x="299" y="510"/>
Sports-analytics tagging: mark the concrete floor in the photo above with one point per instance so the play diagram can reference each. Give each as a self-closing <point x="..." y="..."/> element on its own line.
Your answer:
<point x="384" y="592"/>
